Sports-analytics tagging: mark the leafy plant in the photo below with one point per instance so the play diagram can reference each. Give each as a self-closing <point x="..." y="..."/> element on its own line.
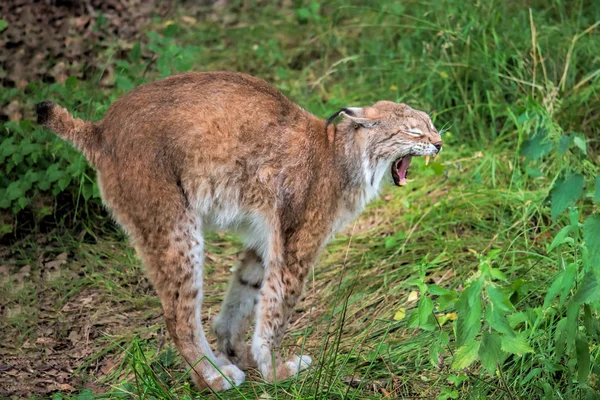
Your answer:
<point x="495" y="327"/>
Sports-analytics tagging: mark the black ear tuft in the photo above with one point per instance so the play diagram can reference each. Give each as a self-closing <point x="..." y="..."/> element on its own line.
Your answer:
<point x="43" y="110"/>
<point x="337" y="113"/>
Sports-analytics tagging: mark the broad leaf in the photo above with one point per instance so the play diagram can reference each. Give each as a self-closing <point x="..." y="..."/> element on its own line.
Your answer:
<point x="515" y="345"/>
<point x="568" y="282"/>
<point x="536" y="147"/>
<point x="499" y="300"/>
<point x="498" y="321"/>
<point x="554" y="289"/>
<point x="490" y="352"/>
<point x="588" y="291"/>
<point x="582" y="351"/>
<point x="565" y="193"/>
<point x="591" y="237"/>
<point x="468" y="308"/>
<point x="465" y="355"/>
<point x="563" y="144"/>
<point x="579" y="141"/>
<point x="425" y="314"/>
<point x="136" y="53"/>
<point x="571" y="326"/>
<point x="124" y="83"/>
<point x="560" y="338"/>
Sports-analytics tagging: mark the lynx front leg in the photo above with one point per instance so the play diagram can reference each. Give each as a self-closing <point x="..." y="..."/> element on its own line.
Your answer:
<point x="279" y="295"/>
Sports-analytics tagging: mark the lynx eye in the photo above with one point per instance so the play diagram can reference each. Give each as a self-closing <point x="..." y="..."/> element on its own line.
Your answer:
<point x="416" y="132"/>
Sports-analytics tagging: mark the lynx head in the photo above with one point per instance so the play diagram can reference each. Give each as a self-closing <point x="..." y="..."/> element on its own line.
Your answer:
<point x="390" y="134"/>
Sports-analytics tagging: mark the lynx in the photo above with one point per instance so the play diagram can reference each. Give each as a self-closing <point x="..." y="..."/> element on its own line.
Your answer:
<point x="220" y="150"/>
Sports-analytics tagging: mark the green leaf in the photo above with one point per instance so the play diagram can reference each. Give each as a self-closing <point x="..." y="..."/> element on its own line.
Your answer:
<point x="571" y="324"/>
<point x="4" y="201"/>
<point x="54" y="173"/>
<point x="87" y="190"/>
<point x="171" y="30"/>
<point x="536" y="147"/>
<point x="3" y="25"/>
<point x="136" y="53"/>
<point x="565" y="193"/>
<point x="561" y="237"/>
<point x="568" y="282"/>
<point x="563" y="144"/>
<point x="86" y="394"/>
<point x="446" y="300"/>
<point x="589" y="290"/>
<point x="465" y="355"/>
<point x="591" y="237"/>
<point x="64" y="182"/>
<point x="517" y="318"/>
<point x="490" y="352"/>
<point x="437" y="290"/>
<point x="532" y="374"/>
<point x="499" y="299"/>
<point x="579" y="141"/>
<point x="582" y="351"/>
<point x="533" y="172"/>
<point x="515" y="344"/>
<point x="468" y="308"/>
<point x="14" y="191"/>
<point x="71" y="82"/>
<point x="587" y="319"/>
<point x="554" y="290"/>
<point x="560" y="339"/>
<point x="425" y="313"/>
<point x="124" y="83"/>
<point x="22" y="202"/>
<point x="30" y="148"/>
<point x="597" y="190"/>
<point x="497" y="320"/>
<point x="497" y="274"/>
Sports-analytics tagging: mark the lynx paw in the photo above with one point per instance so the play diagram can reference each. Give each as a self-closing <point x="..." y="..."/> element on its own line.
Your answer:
<point x="298" y="363"/>
<point x="221" y="360"/>
<point x="294" y="365"/>
<point x="228" y="377"/>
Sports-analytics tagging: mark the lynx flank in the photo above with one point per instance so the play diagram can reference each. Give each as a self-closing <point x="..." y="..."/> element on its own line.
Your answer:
<point x="223" y="150"/>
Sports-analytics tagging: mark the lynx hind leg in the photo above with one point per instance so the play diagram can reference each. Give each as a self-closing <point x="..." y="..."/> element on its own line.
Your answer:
<point x="280" y="293"/>
<point x="175" y="265"/>
<point x="237" y="309"/>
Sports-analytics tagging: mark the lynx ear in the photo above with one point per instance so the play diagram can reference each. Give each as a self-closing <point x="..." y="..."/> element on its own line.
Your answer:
<point x="365" y="117"/>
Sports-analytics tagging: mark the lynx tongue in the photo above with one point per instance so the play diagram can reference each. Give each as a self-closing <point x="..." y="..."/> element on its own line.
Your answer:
<point x="401" y="166"/>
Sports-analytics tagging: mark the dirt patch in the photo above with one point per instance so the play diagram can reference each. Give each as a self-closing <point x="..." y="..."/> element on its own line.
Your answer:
<point x="48" y="41"/>
<point x="68" y="312"/>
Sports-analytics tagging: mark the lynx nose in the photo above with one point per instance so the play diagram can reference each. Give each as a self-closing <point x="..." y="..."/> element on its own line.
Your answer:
<point x="438" y="146"/>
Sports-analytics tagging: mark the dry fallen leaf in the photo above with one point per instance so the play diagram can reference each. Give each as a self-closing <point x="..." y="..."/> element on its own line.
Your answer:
<point x="66" y="387"/>
<point x="413" y="296"/>
<point x="400" y="314"/>
<point x="57" y="262"/>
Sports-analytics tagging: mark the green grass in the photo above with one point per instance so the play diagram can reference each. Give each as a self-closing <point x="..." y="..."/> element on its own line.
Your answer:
<point x="494" y="73"/>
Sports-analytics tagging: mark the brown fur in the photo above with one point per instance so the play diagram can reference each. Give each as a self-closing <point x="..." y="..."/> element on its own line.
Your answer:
<point x="188" y="152"/>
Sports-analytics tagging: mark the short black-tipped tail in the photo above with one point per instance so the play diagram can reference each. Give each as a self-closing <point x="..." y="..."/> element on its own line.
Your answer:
<point x="79" y="132"/>
<point x="43" y="111"/>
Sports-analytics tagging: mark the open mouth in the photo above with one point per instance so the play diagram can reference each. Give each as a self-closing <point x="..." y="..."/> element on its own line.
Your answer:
<point x="400" y="170"/>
